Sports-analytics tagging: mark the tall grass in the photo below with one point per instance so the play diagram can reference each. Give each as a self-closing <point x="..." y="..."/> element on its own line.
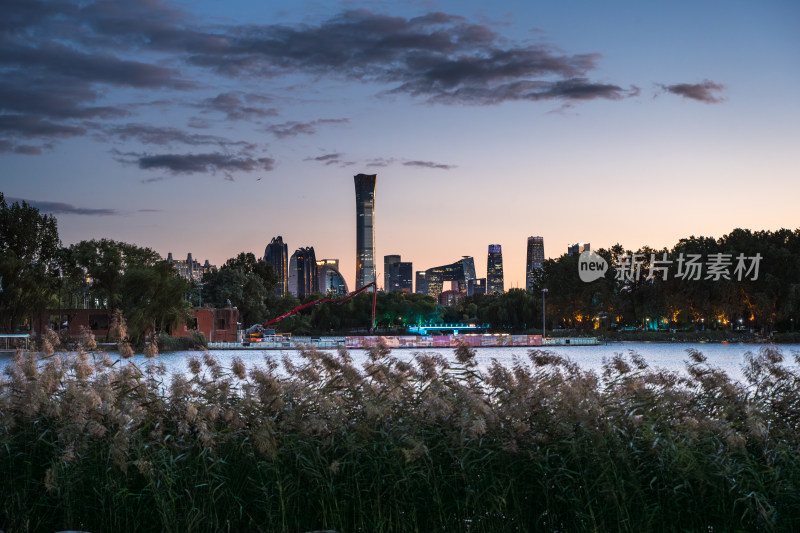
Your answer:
<point x="430" y="445"/>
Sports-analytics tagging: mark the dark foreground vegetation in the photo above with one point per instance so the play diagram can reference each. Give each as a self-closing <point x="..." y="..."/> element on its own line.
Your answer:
<point x="425" y="446"/>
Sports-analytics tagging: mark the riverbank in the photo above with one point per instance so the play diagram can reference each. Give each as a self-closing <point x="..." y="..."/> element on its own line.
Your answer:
<point x="422" y="444"/>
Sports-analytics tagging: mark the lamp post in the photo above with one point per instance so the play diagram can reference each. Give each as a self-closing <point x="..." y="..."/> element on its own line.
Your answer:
<point x="544" y="293"/>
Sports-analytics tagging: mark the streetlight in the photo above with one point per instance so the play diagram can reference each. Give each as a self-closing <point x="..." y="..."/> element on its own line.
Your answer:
<point x="544" y="293"/>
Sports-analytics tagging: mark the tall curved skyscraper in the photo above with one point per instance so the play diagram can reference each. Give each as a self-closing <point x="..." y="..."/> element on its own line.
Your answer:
<point x="365" y="229"/>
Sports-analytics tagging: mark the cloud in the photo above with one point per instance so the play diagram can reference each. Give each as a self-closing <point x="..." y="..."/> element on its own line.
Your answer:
<point x="380" y="162"/>
<point x="204" y="163"/>
<point x="428" y="164"/>
<point x="32" y="126"/>
<point x="238" y="106"/>
<point x="60" y="208"/>
<point x="441" y="57"/>
<point x="147" y="134"/>
<point x="292" y="129"/>
<point x="148" y="210"/>
<point x="702" y="92"/>
<point x="331" y="159"/>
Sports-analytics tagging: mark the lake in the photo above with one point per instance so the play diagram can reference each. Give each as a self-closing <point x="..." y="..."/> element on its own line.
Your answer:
<point x="670" y="356"/>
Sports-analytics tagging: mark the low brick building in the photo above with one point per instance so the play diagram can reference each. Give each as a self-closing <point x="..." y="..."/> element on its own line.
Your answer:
<point x="218" y="325"/>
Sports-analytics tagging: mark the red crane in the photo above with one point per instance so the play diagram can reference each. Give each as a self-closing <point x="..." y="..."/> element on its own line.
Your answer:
<point x="336" y="300"/>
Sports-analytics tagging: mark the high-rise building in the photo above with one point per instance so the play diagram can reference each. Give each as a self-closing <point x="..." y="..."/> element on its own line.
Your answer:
<point x="405" y="271"/>
<point x="421" y="283"/>
<point x="191" y="269"/>
<point x="277" y="254"/>
<point x="578" y="248"/>
<point x="535" y="260"/>
<point x="462" y="271"/>
<point x="390" y="273"/>
<point x="396" y="274"/>
<point x="365" y="229"/>
<point x="330" y="280"/>
<point x="305" y="267"/>
<point x="476" y="286"/>
<point x="494" y="270"/>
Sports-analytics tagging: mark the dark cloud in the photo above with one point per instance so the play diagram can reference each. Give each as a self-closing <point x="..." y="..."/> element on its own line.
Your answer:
<point x="703" y="92"/>
<point x="161" y="136"/>
<point x="148" y="210"/>
<point x="33" y="126"/>
<point x="292" y="129"/>
<point x="60" y="208"/>
<point x="428" y="164"/>
<point x="239" y="106"/>
<point x="438" y="56"/>
<point x="204" y="163"/>
<point x="28" y="149"/>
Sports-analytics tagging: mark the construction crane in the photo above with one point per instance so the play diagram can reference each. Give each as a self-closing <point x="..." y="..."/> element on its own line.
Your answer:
<point x="335" y="300"/>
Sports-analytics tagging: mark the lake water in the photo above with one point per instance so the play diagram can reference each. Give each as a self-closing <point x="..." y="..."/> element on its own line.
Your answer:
<point x="670" y="356"/>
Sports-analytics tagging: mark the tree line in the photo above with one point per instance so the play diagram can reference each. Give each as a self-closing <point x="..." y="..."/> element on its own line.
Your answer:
<point x="38" y="274"/>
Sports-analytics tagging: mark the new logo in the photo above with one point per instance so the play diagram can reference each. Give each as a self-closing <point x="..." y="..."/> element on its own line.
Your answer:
<point x="591" y="266"/>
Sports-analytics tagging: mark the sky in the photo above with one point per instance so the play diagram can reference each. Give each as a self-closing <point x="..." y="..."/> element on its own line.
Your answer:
<point x="211" y="127"/>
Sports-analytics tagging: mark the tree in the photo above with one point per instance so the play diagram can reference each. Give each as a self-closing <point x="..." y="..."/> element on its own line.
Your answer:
<point x="106" y="262"/>
<point x="152" y="298"/>
<point x="29" y="247"/>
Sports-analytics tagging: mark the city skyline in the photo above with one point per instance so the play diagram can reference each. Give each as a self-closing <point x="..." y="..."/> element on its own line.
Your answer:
<point x="212" y="128"/>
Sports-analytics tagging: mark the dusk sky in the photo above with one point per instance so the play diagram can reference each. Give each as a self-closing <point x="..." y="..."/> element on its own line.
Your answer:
<point x="211" y="127"/>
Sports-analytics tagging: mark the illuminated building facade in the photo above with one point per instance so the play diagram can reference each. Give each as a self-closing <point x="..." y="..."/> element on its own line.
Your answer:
<point x="494" y="270"/>
<point x="365" y="229"/>
<point x="396" y="274"/>
<point x="461" y="272"/>
<point x="191" y="269"/>
<point x="305" y="268"/>
<point x="535" y="260"/>
<point x="330" y="281"/>
<point x="277" y="254"/>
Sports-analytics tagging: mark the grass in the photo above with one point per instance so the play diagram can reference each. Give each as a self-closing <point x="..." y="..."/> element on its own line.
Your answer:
<point x="426" y="446"/>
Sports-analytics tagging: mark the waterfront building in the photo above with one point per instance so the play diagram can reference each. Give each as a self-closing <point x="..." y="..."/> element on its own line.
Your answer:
<point x="365" y="229"/>
<point x="191" y="269"/>
<point x="578" y="248"/>
<point x="535" y="260"/>
<point x="461" y="272"/>
<point x="494" y="270"/>
<point x="305" y="268"/>
<point x="277" y="254"/>
<point x="396" y="274"/>
<point x="330" y="280"/>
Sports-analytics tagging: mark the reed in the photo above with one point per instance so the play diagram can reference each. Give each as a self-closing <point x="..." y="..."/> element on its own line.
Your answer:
<point x="435" y="444"/>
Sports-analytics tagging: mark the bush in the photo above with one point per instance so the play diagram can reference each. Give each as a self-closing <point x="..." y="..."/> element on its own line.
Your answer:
<point x="395" y="446"/>
<point x="194" y="341"/>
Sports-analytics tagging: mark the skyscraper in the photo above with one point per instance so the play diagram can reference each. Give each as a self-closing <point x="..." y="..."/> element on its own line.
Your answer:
<point x="277" y="254"/>
<point x="535" y="260"/>
<point x="390" y="272"/>
<point x="365" y="229"/>
<point x="494" y="270"/>
<point x="396" y="274"/>
<point x="305" y="264"/>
